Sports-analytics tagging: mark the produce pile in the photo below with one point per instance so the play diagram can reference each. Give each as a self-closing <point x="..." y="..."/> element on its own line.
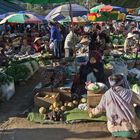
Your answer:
<point x="54" y="108"/>
<point x="117" y="39"/>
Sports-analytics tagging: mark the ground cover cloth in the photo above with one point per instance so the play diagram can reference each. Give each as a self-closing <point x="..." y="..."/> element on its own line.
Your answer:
<point x="81" y="115"/>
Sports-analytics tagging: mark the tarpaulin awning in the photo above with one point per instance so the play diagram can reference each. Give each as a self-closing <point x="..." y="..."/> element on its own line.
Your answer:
<point x="44" y="1"/>
<point x="122" y="3"/>
<point x="6" y="7"/>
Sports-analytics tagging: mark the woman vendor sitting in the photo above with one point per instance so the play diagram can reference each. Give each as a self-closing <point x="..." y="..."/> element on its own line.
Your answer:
<point x="37" y="45"/>
<point x="118" y="103"/>
<point x="87" y="72"/>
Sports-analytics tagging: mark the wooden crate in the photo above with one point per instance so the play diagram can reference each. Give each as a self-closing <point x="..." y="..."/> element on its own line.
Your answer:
<point x="40" y="101"/>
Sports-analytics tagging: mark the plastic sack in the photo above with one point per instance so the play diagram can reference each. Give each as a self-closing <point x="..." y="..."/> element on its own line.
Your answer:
<point x="8" y="90"/>
<point x="119" y="67"/>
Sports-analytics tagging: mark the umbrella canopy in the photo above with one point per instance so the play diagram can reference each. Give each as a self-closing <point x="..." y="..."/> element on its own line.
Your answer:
<point x="15" y="18"/>
<point x="44" y="1"/>
<point x="123" y="3"/>
<point x="64" y="10"/>
<point x="21" y="18"/>
<point x="106" y="8"/>
<point x="121" y="9"/>
<point x="96" y="9"/>
<point x="75" y="20"/>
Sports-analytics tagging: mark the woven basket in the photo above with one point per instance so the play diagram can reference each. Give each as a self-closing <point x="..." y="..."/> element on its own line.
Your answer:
<point x="40" y="101"/>
<point x="93" y="99"/>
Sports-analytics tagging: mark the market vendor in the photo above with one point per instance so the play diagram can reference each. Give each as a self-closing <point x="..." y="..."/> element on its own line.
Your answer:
<point x="25" y="48"/>
<point x="70" y="42"/>
<point x="37" y="45"/>
<point x="83" y="47"/>
<point x="96" y="55"/>
<point x="129" y="43"/>
<point x="118" y="103"/>
<point x="87" y="72"/>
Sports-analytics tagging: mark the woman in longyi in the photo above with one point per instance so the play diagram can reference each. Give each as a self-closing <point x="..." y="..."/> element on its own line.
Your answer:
<point x="118" y="102"/>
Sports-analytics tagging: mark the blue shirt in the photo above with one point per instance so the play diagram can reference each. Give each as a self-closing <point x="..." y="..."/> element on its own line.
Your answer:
<point x="55" y="34"/>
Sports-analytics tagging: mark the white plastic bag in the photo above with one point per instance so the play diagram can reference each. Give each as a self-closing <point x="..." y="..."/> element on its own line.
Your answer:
<point x="8" y="90"/>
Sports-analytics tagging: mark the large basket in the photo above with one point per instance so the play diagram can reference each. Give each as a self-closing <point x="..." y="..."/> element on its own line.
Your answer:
<point x="94" y="99"/>
<point x="40" y="101"/>
<point x="65" y="94"/>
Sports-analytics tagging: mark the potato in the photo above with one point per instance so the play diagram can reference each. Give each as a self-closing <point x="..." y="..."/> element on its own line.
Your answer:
<point x="75" y="102"/>
<point x="42" y="110"/>
<point x="51" y="107"/>
<point x="70" y="104"/>
<point x="83" y="100"/>
<point x="63" y="108"/>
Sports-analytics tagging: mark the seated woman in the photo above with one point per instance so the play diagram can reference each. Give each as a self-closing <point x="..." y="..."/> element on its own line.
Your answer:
<point x="37" y="45"/>
<point x="118" y="103"/>
<point x="25" y="48"/>
<point x="87" y="72"/>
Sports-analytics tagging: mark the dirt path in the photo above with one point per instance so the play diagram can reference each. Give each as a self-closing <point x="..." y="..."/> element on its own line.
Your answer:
<point x="15" y="127"/>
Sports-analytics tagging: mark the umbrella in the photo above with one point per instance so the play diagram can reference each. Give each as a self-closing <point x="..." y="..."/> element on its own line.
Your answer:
<point x="75" y="20"/>
<point x="21" y="18"/>
<point x="64" y="10"/>
<point x="106" y="8"/>
<point x="123" y="3"/>
<point x="121" y="9"/>
<point x="96" y="9"/>
<point x="44" y="1"/>
<point x="15" y="18"/>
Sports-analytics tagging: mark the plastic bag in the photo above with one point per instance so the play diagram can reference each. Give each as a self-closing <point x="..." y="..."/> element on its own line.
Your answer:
<point x="119" y="67"/>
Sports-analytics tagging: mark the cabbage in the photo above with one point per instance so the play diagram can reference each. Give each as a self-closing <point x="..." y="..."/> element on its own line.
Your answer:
<point x="136" y="88"/>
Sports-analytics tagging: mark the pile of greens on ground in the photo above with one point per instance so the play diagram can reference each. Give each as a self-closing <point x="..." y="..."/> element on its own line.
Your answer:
<point x="18" y="72"/>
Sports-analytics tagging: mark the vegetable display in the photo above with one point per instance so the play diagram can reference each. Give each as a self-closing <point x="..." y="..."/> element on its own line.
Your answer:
<point x="5" y="79"/>
<point x="117" y="39"/>
<point x="18" y="72"/>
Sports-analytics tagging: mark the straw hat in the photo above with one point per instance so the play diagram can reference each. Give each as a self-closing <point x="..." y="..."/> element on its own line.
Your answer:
<point x="84" y="40"/>
<point x="36" y="39"/>
<point x="130" y="35"/>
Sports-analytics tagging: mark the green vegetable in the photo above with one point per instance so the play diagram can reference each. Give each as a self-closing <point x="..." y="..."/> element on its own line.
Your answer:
<point x="5" y="79"/>
<point x="18" y="72"/>
<point x="96" y="87"/>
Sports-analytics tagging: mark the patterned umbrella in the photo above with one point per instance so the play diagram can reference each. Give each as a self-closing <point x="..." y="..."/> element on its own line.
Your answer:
<point x="21" y="18"/>
<point x="64" y="10"/>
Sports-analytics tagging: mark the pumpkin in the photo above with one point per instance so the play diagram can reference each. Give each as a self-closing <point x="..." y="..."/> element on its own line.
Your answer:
<point x="42" y="110"/>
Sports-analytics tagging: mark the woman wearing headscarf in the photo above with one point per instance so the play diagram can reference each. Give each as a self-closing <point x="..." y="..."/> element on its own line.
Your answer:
<point x="118" y="103"/>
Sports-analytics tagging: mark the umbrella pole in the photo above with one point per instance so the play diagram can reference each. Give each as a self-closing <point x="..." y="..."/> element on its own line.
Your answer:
<point x="71" y="16"/>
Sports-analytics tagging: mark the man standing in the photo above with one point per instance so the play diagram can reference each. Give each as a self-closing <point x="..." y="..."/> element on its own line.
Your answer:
<point x="56" y="39"/>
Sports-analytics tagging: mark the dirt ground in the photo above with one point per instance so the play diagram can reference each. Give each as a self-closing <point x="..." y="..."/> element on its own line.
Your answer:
<point x="14" y="125"/>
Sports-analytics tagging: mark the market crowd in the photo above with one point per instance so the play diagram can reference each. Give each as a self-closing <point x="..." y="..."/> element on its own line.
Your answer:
<point x="89" y="42"/>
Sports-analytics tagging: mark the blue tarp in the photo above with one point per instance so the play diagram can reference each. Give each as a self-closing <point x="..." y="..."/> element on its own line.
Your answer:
<point x="6" y="7"/>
